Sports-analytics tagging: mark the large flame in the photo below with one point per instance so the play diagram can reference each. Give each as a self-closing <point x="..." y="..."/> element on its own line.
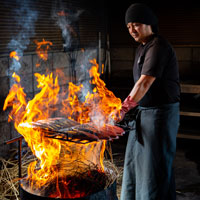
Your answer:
<point x="97" y="107"/>
<point x="99" y="104"/>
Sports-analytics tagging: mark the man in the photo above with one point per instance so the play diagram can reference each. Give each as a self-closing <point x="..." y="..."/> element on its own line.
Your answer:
<point x="151" y="147"/>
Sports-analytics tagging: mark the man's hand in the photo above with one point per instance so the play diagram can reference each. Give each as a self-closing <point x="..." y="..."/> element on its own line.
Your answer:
<point x="139" y="90"/>
<point x="127" y="105"/>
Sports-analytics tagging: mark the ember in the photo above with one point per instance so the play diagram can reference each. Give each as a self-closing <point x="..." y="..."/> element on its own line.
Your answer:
<point x="42" y="50"/>
<point x="92" y="184"/>
<point x="14" y="55"/>
<point x="70" y="148"/>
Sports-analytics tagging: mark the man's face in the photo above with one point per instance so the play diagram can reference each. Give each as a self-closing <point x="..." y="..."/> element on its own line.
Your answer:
<point x="140" y="32"/>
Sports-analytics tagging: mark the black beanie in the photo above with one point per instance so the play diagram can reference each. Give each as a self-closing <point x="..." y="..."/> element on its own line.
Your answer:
<point x="140" y="13"/>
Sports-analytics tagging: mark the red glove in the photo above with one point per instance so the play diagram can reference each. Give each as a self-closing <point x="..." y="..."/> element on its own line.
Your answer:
<point x="127" y="105"/>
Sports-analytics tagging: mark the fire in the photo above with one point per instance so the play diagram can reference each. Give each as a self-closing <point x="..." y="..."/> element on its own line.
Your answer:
<point x="57" y="157"/>
<point x="98" y="105"/>
<point x="42" y="49"/>
<point x="14" y="55"/>
<point x="17" y="78"/>
<point x="102" y="70"/>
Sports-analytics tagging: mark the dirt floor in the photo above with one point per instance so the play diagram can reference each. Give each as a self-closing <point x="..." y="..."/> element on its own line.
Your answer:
<point x="186" y="167"/>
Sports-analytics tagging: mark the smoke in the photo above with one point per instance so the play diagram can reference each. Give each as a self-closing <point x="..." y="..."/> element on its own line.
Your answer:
<point x="66" y="19"/>
<point x="25" y="18"/>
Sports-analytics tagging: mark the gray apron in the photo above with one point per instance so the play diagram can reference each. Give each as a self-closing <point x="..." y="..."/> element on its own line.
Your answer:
<point x="150" y="151"/>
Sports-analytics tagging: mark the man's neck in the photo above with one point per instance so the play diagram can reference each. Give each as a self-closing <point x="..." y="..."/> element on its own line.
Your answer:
<point x="148" y="38"/>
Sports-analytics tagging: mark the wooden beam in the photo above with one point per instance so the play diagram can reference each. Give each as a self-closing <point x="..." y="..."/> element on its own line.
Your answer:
<point x="189" y="88"/>
<point x="194" y="114"/>
<point x="188" y="136"/>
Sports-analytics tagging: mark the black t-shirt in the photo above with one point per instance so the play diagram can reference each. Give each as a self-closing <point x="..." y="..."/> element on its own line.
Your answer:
<point x="157" y="58"/>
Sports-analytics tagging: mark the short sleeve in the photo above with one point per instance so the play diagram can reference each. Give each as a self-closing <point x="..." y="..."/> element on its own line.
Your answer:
<point x="156" y="58"/>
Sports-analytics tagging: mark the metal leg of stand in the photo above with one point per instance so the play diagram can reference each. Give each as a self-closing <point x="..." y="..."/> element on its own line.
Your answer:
<point x="20" y="157"/>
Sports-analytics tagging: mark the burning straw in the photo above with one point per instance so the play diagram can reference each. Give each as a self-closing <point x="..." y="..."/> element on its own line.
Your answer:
<point x="77" y="185"/>
<point x="9" y="181"/>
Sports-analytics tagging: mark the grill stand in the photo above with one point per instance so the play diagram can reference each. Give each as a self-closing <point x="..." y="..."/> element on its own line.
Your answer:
<point x="108" y="193"/>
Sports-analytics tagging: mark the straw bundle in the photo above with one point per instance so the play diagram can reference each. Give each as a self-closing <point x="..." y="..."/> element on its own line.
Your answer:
<point x="9" y="187"/>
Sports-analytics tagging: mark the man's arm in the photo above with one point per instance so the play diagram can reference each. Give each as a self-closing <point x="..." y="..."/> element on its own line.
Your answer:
<point x="141" y="87"/>
<point x="138" y="91"/>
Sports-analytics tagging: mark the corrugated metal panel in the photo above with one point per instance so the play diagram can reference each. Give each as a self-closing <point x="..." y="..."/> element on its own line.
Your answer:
<point x="180" y="25"/>
<point x="13" y="21"/>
